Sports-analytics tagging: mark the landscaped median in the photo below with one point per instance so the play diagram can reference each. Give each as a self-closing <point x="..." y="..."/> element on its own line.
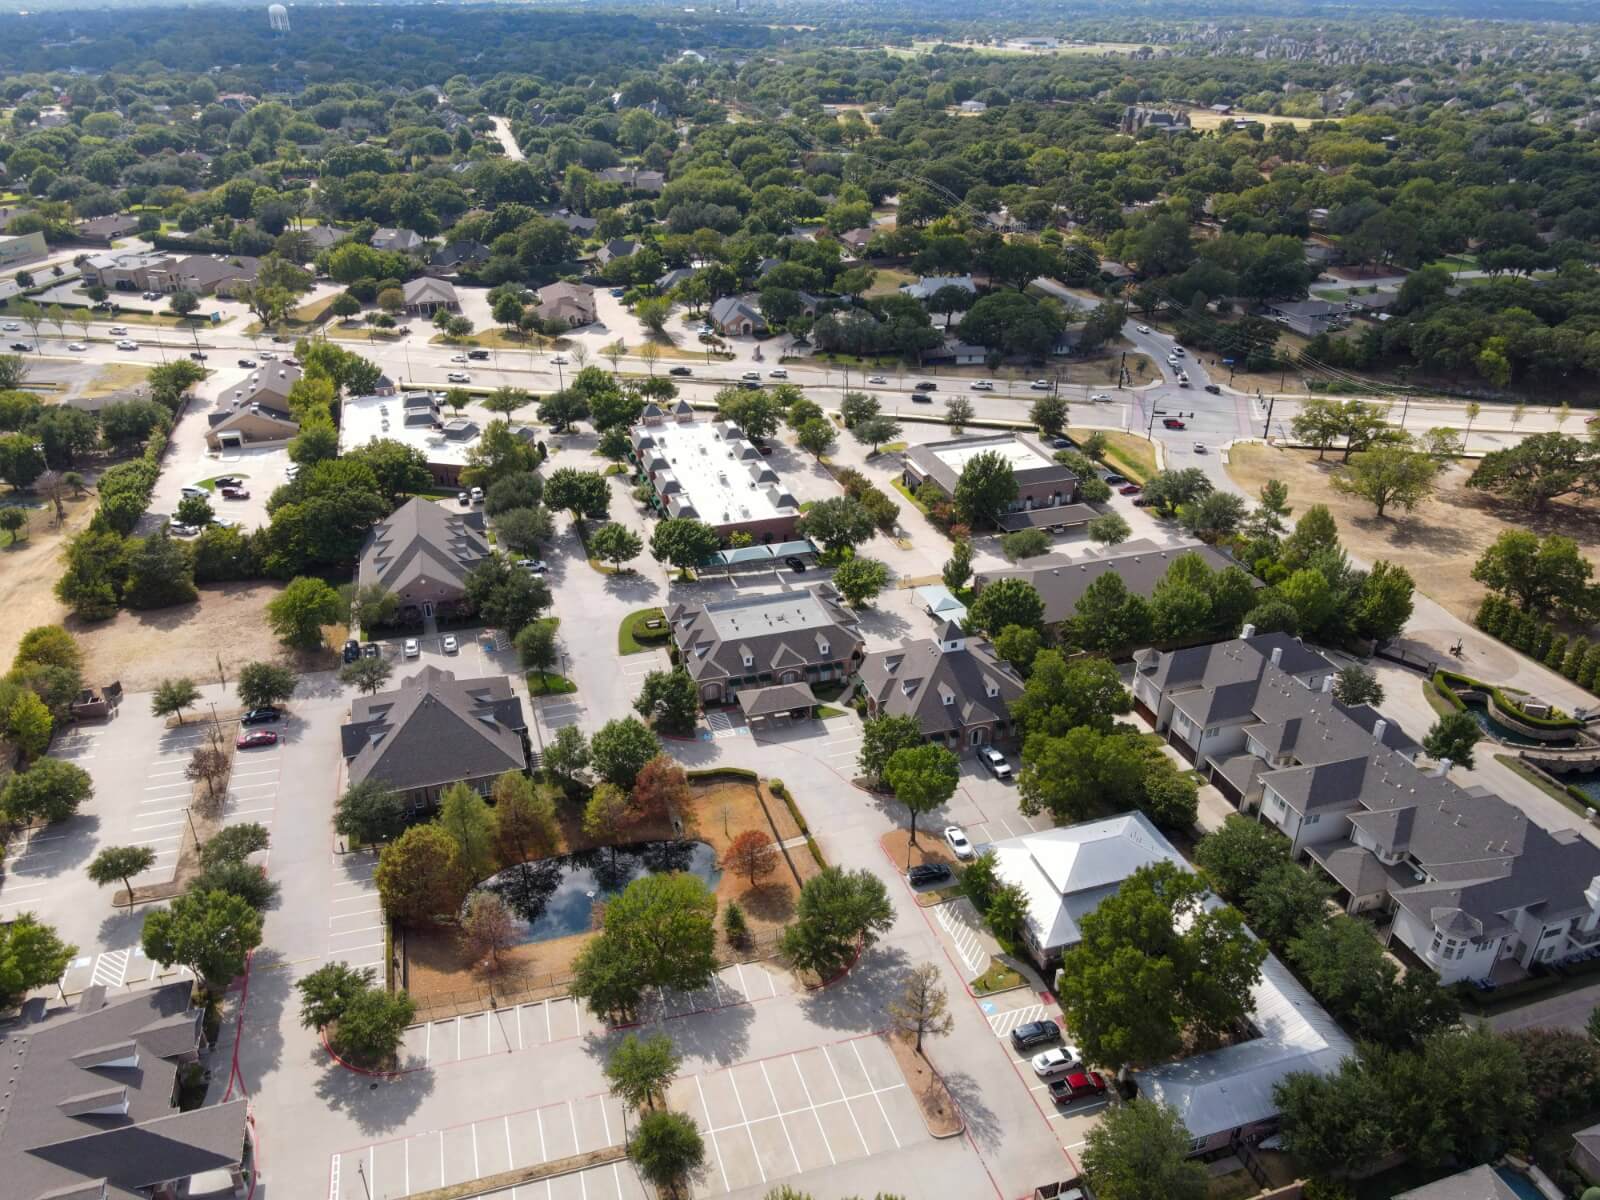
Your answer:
<point x="644" y="630"/>
<point x="553" y="1169"/>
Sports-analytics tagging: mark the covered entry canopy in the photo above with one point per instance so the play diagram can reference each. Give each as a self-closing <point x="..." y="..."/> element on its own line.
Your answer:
<point x="782" y="700"/>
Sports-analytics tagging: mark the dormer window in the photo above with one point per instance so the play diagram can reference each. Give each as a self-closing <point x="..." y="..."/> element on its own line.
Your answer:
<point x="822" y="647"/>
<point x="749" y="661"/>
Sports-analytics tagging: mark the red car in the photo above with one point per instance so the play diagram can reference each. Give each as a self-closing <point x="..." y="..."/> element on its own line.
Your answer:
<point x="259" y="737"/>
<point x="1083" y="1086"/>
<point x="235" y="493"/>
<point x="1173" y="423"/>
<point x="1131" y="489"/>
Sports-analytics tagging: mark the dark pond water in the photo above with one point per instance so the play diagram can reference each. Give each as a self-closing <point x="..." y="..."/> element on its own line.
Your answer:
<point x="556" y="897"/>
<point x="1504" y="733"/>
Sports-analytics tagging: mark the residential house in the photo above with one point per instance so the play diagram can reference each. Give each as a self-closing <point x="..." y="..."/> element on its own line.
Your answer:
<point x="1224" y="1096"/>
<point x="1484" y="1182"/>
<point x="957" y="689"/>
<point x="1135" y="118"/>
<point x="635" y="180"/>
<point x="426" y="295"/>
<point x="927" y="285"/>
<point x="433" y="731"/>
<point x="323" y="237"/>
<point x="1061" y="580"/>
<point x="461" y="255"/>
<point x="401" y="241"/>
<point x="1308" y="318"/>
<point x="1046" y="491"/>
<point x="1469" y="885"/>
<point x="571" y="303"/>
<point x="857" y="239"/>
<point x="422" y="554"/>
<point x="580" y="225"/>
<point x="956" y="353"/>
<point x="974" y="106"/>
<point x="673" y="278"/>
<point x="755" y="642"/>
<point x="709" y="471"/>
<point x="615" y="248"/>
<point x="102" y="231"/>
<point x="738" y="316"/>
<point x="1116" y="272"/>
<point x="90" y="1108"/>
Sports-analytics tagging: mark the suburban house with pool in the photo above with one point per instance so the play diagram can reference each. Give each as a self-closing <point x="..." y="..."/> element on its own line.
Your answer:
<point x="1457" y="876"/>
<point x="435" y="730"/>
<point x="788" y="639"/>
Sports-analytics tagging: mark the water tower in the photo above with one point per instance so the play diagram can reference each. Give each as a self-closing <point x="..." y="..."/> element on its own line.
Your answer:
<point x="278" y="18"/>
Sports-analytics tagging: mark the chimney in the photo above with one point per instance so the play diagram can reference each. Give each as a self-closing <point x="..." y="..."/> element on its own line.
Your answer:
<point x="1327" y="684"/>
<point x="1379" y="728"/>
<point x="1249" y="631"/>
<point x="1277" y="655"/>
<point x="1443" y="769"/>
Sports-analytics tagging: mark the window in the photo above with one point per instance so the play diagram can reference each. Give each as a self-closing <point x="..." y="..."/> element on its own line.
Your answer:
<point x="749" y="661"/>
<point x="822" y="648"/>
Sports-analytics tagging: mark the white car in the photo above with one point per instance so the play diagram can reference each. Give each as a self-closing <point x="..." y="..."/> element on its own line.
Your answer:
<point x="1039" y="385"/>
<point x="1100" y="398"/>
<point x="477" y="495"/>
<point x="1178" y="350"/>
<point x="119" y="331"/>
<point x="178" y="529"/>
<point x="1058" y="1060"/>
<point x="268" y="356"/>
<point x="752" y="375"/>
<point x="995" y="762"/>
<point x="458" y="377"/>
<point x="412" y="650"/>
<point x="450" y="643"/>
<point x="1144" y="329"/>
<point x="291" y="470"/>
<point x="11" y="326"/>
<point x="778" y="373"/>
<point x="981" y="385"/>
<point x="77" y="346"/>
<point x="533" y="566"/>
<point x="125" y="344"/>
<point x="193" y="490"/>
<point x="1172" y="360"/>
<point x="458" y="358"/>
<point x="877" y="379"/>
<point x="224" y="522"/>
<point x="956" y="839"/>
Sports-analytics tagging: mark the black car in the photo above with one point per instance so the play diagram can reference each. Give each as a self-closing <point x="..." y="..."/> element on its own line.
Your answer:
<point x="223" y="481"/>
<point x="1035" y="1033"/>
<point x="1213" y="389"/>
<point x="1061" y="443"/>
<point x="197" y="356"/>
<point x="1114" y="479"/>
<point x="371" y="650"/>
<point x="260" y="716"/>
<point x="21" y="347"/>
<point x="794" y="564"/>
<point x="925" y="386"/>
<point x="247" y="362"/>
<point x="352" y="650"/>
<point x="478" y="354"/>
<point x="278" y="337"/>
<point x="680" y="371"/>
<point x="932" y="872"/>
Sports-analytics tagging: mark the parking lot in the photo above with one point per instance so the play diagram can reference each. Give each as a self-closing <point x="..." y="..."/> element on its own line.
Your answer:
<point x="1071" y="1123"/>
<point x="355" y="915"/>
<point x="776" y="1117"/>
<point x="541" y="1022"/>
<point x="477" y="1149"/>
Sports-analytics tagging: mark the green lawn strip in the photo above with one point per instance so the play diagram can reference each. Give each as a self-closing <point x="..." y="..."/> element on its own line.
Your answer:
<point x="550" y="685"/>
<point x="906" y="492"/>
<point x="1554" y="790"/>
<point x="628" y="641"/>
<point x="998" y="978"/>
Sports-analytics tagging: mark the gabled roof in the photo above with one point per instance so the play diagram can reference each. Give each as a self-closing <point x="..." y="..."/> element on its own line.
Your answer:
<point x="90" y="1097"/>
<point x="948" y="685"/>
<point x="422" y="542"/>
<point x="773" y="631"/>
<point x="434" y="731"/>
<point x="1061" y="579"/>
<point x="425" y="289"/>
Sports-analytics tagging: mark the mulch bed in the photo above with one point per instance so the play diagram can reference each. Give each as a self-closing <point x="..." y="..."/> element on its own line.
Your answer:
<point x="939" y="1111"/>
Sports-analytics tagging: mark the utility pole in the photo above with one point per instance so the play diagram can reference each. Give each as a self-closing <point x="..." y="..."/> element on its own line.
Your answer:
<point x="1267" y="431"/>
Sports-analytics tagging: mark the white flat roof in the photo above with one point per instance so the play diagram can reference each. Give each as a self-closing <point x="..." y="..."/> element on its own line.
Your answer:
<point x="715" y="476"/>
<point x="1019" y="454"/>
<point x="757" y="616"/>
<point x="364" y="419"/>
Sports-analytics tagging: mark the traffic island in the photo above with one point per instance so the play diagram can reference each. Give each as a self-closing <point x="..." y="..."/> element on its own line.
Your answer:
<point x="938" y="1108"/>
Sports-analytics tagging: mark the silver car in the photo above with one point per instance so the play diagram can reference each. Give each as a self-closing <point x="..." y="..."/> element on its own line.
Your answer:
<point x="995" y="762"/>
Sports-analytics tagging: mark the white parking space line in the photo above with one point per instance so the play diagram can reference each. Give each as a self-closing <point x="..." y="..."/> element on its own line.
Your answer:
<point x="705" y="1110"/>
<point x="973" y="956"/>
<point x="1004" y="1023"/>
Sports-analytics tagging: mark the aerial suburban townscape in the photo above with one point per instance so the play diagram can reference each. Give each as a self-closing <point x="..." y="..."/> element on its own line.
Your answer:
<point x="800" y="600"/>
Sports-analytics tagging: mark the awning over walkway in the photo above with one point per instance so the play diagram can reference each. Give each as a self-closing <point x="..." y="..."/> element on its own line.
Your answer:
<point x="776" y="701"/>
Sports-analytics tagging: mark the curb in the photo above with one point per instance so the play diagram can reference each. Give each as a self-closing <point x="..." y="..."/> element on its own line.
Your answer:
<point x="351" y="1067"/>
<point x="833" y="979"/>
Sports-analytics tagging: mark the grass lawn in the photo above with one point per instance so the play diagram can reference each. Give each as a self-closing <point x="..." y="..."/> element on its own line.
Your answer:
<point x="550" y="685"/>
<point x="1512" y="763"/>
<point x="998" y="978"/>
<point x="1128" y="453"/>
<point x="628" y="639"/>
<point x="123" y="317"/>
<point x="115" y="377"/>
<point x="887" y="281"/>
<point x="826" y="712"/>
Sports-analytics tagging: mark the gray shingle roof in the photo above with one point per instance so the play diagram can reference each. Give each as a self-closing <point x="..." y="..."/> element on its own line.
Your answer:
<point x="422" y="542"/>
<point x="1061" y="580"/>
<point x="62" y="1121"/>
<point x="435" y="730"/>
<point x="778" y="631"/>
<point x="945" y="689"/>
